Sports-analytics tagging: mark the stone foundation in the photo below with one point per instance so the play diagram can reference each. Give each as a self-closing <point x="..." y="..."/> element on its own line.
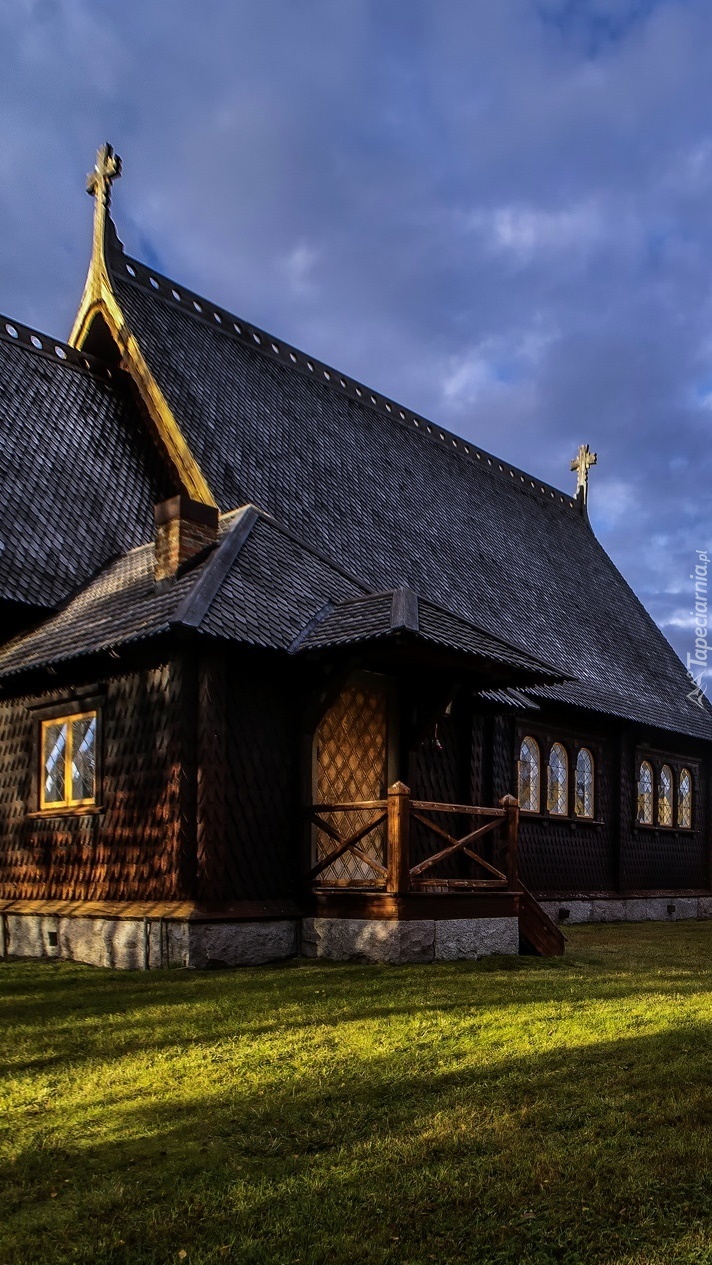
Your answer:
<point x="426" y="940"/>
<point x="630" y="909"/>
<point x="154" y="943"/>
<point x="147" y="944"/>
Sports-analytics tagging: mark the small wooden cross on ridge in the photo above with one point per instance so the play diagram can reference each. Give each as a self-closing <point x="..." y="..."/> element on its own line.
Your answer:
<point x="106" y="168"/>
<point x="581" y="463"/>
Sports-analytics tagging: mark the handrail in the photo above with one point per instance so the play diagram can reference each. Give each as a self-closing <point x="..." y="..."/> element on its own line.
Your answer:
<point x="346" y="807"/>
<point x="468" y="810"/>
<point x="397" y="876"/>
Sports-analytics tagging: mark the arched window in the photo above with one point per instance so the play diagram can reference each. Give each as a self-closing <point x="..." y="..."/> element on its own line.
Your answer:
<point x="645" y="793"/>
<point x="529" y="776"/>
<point x="684" y="800"/>
<point x="665" y="796"/>
<point x="557" y="796"/>
<point x="583" y="806"/>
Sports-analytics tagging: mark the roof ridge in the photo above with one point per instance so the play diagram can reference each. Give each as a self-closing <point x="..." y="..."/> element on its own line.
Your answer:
<point x="195" y="605"/>
<point x="316" y="553"/>
<point x="317" y="618"/>
<point x="17" y="334"/>
<point x="133" y="272"/>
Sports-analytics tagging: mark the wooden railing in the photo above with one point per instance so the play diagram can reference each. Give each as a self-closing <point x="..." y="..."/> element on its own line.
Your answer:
<point x="397" y="876"/>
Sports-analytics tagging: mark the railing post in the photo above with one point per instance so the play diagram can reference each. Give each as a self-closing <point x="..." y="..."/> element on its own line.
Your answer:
<point x="511" y="837"/>
<point x="398" y="839"/>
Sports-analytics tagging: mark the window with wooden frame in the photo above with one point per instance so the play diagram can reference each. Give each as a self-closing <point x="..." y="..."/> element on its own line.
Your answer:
<point x="583" y="799"/>
<point x="665" y="784"/>
<point x="645" y="793"/>
<point x="68" y="761"/>
<point x="557" y="796"/>
<point x="529" y="789"/>
<point x="684" y="800"/>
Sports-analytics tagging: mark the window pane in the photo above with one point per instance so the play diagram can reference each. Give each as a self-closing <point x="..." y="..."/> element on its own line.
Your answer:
<point x="584" y="784"/>
<point x="529" y="775"/>
<point x="83" y="757"/>
<point x="53" y="757"/>
<point x="665" y="796"/>
<point x="645" y="793"/>
<point x="557" y="796"/>
<point x="684" y="800"/>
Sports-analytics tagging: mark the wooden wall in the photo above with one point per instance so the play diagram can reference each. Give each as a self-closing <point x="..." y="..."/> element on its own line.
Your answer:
<point x="205" y="776"/>
<point x="252" y="851"/>
<point x="612" y="853"/>
<point x="137" y="846"/>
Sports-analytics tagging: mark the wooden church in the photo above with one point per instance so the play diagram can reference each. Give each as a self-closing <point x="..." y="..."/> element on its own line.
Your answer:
<point x="287" y="668"/>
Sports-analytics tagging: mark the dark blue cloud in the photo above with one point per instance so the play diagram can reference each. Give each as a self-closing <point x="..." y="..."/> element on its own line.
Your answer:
<point x="497" y="213"/>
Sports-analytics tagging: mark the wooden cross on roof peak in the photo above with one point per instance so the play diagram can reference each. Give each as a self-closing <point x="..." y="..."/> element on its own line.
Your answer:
<point x="581" y="463"/>
<point x="106" y="169"/>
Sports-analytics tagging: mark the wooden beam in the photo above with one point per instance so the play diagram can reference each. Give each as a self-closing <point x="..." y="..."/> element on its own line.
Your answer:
<point x="398" y="839"/>
<point x="467" y="810"/>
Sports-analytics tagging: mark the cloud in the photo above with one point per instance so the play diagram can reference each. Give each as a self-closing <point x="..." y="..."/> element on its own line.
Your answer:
<point x="299" y="267"/>
<point x="527" y="230"/>
<point x="496" y="213"/>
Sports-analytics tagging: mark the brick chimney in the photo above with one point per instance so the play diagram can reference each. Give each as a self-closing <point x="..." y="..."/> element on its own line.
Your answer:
<point x="183" y="529"/>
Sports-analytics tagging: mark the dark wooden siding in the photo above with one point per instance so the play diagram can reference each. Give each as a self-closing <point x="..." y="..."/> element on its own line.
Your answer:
<point x="571" y="854"/>
<point x="440" y="771"/>
<point x="203" y="790"/>
<point x="653" y="858"/>
<point x="262" y="809"/>
<point x="612" y="853"/>
<point x="137" y="848"/>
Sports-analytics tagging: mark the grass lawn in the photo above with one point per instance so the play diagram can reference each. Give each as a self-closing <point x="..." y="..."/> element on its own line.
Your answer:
<point x="512" y="1110"/>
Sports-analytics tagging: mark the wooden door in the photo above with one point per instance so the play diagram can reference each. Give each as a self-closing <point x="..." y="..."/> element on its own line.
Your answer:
<point x="351" y="763"/>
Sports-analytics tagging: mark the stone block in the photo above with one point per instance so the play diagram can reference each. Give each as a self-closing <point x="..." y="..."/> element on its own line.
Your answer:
<point x="579" y="911"/>
<point x="704" y="906"/>
<point x="368" y="940"/>
<point x="26" y="936"/>
<point x="123" y="944"/>
<point x="685" y="907"/>
<point x="671" y="908"/>
<point x="472" y="938"/>
<point x="82" y="940"/>
<point x="117" y="943"/>
<point x="240" y="943"/>
<point x="177" y="944"/>
<point x="608" y="911"/>
<point x="551" y="907"/>
<point x="636" y="909"/>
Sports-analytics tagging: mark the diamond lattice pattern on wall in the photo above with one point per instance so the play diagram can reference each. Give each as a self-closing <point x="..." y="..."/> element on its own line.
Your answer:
<point x="351" y="764"/>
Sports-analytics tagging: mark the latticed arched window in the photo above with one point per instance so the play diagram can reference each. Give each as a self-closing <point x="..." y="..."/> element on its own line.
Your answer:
<point x="584" y="784"/>
<point x="529" y="776"/>
<point x="665" y="796"/>
<point x="645" y="793"/>
<point x="557" y="795"/>
<point x="684" y="800"/>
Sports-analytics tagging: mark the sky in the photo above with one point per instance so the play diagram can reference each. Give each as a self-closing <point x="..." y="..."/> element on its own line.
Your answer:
<point x="496" y="212"/>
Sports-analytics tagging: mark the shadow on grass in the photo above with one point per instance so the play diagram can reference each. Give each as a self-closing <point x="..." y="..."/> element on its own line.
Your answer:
<point x="596" y="1150"/>
<point x="76" y="1009"/>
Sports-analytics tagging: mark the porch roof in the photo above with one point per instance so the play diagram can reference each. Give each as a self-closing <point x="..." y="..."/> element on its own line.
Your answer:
<point x="400" y="615"/>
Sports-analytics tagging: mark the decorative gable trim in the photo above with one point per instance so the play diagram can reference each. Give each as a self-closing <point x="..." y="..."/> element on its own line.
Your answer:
<point x="99" y="301"/>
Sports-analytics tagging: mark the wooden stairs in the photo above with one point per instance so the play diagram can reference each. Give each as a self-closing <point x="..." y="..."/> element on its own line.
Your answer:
<point x="538" y="934"/>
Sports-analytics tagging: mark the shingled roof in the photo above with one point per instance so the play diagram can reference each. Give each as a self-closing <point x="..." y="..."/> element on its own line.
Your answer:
<point x="402" y="502"/>
<point x="403" y="615"/>
<point x="259" y="586"/>
<point x="78" y="472"/>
